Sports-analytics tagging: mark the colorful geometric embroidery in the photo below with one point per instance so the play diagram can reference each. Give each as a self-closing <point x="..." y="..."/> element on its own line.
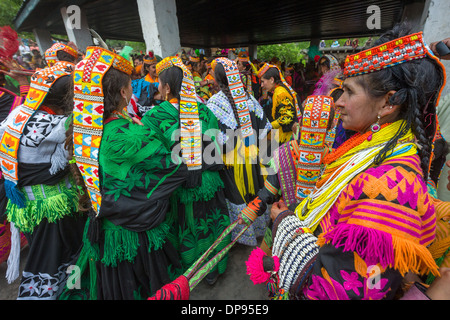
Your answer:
<point x="238" y="93"/>
<point x="51" y="53"/>
<point x="313" y="135"/>
<point x="190" y="125"/>
<point x="386" y="55"/>
<point x="286" y="163"/>
<point x="41" y="82"/>
<point x="393" y="53"/>
<point x="88" y="114"/>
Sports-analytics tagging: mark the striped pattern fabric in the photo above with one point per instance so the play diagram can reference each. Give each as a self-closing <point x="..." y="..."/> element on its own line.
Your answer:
<point x="386" y="215"/>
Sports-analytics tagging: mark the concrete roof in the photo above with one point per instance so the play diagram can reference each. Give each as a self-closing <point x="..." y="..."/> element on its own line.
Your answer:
<point x="229" y="23"/>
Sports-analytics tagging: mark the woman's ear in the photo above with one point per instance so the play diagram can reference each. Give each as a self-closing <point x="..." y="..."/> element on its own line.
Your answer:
<point x="389" y="109"/>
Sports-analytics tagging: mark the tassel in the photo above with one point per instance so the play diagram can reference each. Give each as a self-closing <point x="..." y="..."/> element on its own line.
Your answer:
<point x="59" y="159"/>
<point x="12" y="273"/>
<point x="255" y="266"/>
<point x="14" y="194"/>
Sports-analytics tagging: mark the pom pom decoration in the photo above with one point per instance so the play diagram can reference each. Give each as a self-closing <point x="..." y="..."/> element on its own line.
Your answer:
<point x="255" y="266"/>
<point x="9" y="42"/>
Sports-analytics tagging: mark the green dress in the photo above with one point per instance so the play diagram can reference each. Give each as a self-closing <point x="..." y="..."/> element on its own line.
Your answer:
<point x="126" y="250"/>
<point x="199" y="205"/>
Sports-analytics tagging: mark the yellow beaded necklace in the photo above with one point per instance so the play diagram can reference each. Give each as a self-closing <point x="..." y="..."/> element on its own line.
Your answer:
<point x="339" y="173"/>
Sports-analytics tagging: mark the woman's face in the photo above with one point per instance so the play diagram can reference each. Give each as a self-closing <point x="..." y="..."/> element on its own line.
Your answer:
<point x="268" y="84"/>
<point x="358" y="110"/>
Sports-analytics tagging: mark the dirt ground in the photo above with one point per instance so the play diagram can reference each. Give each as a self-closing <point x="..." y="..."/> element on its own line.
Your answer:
<point x="234" y="284"/>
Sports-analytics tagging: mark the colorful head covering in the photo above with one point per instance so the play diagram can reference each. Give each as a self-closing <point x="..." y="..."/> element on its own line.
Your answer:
<point x="393" y="53"/>
<point x="194" y="59"/>
<point x="312" y="143"/>
<point x="238" y="93"/>
<point x="334" y="63"/>
<point x="88" y="113"/>
<point x="243" y="56"/>
<point x="264" y="69"/>
<point x="150" y="58"/>
<point x="51" y="53"/>
<point x="191" y="140"/>
<point x="40" y="85"/>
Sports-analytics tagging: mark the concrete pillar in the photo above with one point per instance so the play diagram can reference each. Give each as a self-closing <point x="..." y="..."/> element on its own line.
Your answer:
<point x="77" y="27"/>
<point x="437" y="28"/>
<point x="253" y="52"/>
<point x="159" y="23"/>
<point x="43" y="39"/>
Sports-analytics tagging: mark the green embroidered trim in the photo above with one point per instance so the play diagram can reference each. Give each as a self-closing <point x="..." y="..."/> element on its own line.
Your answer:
<point x="48" y="202"/>
<point x="122" y="244"/>
<point x="211" y="183"/>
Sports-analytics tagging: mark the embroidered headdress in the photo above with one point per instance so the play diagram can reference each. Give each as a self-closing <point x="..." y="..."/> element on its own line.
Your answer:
<point x="51" y="54"/>
<point x="194" y="59"/>
<point x="191" y="141"/>
<point x="393" y="53"/>
<point x="238" y="93"/>
<point x="88" y="113"/>
<point x="150" y="58"/>
<point x="40" y="85"/>
<point x="265" y="68"/>
<point x="312" y="143"/>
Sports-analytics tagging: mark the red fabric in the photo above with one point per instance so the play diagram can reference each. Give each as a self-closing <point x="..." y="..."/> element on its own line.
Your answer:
<point x="176" y="290"/>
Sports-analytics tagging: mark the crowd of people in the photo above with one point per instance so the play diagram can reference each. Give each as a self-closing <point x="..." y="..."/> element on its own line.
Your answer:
<point x="122" y="171"/>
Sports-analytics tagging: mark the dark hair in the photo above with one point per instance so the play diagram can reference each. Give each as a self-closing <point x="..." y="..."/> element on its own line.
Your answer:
<point x="221" y="78"/>
<point x="57" y="95"/>
<point x="416" y="84"/>
<point x="174" y="78"/>
<point x="275" y="74"/>
<point x="64" y="56"/>
<point x="113" y="81"/>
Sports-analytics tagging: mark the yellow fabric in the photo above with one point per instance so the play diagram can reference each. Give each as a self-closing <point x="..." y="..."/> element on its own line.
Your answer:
<point x="287" y="114"/>
<point x="320" y="201"/>
<point x="240" y="159"/>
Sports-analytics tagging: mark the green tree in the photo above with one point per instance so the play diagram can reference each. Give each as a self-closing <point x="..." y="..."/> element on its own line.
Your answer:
<point x="8" y="11"/>
<point x="287" y="52"/>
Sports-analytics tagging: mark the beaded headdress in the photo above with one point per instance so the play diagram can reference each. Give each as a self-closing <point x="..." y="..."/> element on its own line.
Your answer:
<point x="393" y="53"/>
<point x="191" y="140"/>
<point x="238" y="93"/>
<point x="41" y="83"/>
<point x="312" y="143"/>
<point x="51" y="53"/>
<point x="243" y="56"/>
<point x="264" y="69"/>
<point x="194" y="59"/>
<point x="150" y="58"/>
<point x="88" y="113"/>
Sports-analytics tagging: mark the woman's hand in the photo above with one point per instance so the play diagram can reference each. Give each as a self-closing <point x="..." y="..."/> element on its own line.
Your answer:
<point x="15" y="72"/>
<point x="277" y="208"/>
<point x="137" y="121"/>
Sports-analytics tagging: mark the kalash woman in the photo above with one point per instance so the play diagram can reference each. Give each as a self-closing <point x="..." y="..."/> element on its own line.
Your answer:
<point x="285" y="108"/>
<point x="199" y="206"/>
<point x="370" y="210"/>
<point x="129" y="173"/>
<point x="242" y="125"/>
<point x="43" y="198"/>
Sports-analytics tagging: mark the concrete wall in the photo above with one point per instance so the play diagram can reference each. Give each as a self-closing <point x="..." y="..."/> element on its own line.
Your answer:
<point x="160" y="26"/>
